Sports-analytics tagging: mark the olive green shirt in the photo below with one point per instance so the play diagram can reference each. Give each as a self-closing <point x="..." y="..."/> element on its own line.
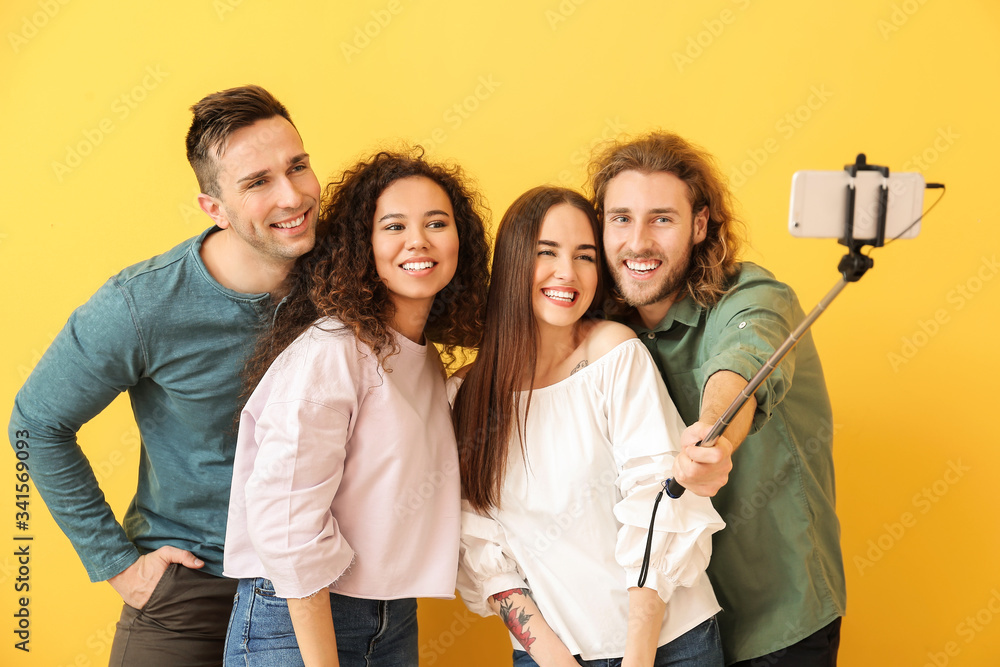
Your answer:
<point x="777" y="567"/>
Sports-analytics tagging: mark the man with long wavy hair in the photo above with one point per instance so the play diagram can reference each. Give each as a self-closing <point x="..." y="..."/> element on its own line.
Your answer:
<point x="710" y="321"/>
<point x="173" y="331"/>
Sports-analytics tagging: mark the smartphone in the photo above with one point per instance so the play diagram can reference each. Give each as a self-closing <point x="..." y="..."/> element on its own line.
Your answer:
<point x="819" y="204"/>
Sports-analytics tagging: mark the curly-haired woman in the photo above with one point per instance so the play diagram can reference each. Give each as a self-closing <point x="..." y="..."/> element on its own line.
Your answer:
<point x="345" y="496"/>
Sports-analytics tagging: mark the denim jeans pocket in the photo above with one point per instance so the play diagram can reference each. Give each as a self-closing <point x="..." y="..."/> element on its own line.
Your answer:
<point x="263" y="587"/>
<point x="269" y="618"/>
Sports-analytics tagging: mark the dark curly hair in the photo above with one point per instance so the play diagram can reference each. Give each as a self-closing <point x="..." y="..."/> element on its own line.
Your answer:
<point x="338" y="277"/>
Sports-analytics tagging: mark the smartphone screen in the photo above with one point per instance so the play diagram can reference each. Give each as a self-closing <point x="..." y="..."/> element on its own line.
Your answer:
<point x="819" y="204"/>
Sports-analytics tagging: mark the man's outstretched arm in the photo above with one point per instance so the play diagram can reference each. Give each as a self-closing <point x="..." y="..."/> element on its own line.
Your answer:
<point x="705" y="470"/>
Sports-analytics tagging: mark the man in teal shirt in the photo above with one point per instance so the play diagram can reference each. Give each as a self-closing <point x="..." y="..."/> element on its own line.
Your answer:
<point x="710" y="323"/>
<point x="174" y="331"/>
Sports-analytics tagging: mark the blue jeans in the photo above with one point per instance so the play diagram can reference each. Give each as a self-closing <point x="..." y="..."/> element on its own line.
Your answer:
<point x="698" y="647"/>
<point x="370" y="633"/>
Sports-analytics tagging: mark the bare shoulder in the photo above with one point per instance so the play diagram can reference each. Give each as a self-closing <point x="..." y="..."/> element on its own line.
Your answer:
<point x="604" y="336"/>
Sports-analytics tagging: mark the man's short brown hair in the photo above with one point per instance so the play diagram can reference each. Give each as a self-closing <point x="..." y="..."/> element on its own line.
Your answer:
<point x="216" y="117"/>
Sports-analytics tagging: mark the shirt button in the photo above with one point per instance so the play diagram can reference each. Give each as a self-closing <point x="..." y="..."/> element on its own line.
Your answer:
<point x="742" y="325"/>
<point x="651" y="335"/>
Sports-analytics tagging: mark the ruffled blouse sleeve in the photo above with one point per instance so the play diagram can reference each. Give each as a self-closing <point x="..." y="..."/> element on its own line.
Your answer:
<point x="485" y="566"/>
<point x="645" y="430"/>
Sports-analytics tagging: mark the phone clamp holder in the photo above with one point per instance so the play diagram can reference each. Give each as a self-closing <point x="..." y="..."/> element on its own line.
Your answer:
<point x="854" y="264"/>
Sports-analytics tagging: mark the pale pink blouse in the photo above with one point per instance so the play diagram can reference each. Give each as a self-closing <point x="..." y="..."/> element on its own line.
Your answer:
<point x="346" y="475"/>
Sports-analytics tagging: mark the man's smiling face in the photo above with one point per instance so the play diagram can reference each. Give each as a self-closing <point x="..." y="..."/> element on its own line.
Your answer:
<point x="649" y="233"/>
<point x="269" y="194"/>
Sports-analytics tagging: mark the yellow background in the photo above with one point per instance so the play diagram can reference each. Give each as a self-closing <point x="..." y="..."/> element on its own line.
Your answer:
<point x="536" y="84"/>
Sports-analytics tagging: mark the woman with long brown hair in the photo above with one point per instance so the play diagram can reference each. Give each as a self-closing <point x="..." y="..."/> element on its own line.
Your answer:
<point x="565" y="429"/>
<point x="349" y="416"/>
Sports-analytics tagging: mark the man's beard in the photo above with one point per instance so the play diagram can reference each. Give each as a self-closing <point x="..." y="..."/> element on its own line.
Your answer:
<point x="641" y="294"/>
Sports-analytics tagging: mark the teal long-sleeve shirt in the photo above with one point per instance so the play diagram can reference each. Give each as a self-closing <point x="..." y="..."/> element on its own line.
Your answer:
<point x="176" y="340"/>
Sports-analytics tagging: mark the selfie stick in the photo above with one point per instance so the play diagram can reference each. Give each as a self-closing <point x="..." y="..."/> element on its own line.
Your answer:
<point x="852" y="266"/>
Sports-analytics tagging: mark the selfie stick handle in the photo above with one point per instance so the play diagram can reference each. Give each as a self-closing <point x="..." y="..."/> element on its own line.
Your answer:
<point x="852" y="266"/>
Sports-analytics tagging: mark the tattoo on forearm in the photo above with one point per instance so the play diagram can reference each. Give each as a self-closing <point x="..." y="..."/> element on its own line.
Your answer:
<point x="579" y="367"/>
<point x="515" y="618"/>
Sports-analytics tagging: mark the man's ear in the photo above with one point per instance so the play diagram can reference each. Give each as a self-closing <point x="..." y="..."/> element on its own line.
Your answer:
<point x="213" y="207"/>
<point x="701" y="225"/>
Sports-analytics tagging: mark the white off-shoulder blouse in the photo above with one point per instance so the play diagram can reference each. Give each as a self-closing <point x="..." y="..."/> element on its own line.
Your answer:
<point x="575" y="509"/>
